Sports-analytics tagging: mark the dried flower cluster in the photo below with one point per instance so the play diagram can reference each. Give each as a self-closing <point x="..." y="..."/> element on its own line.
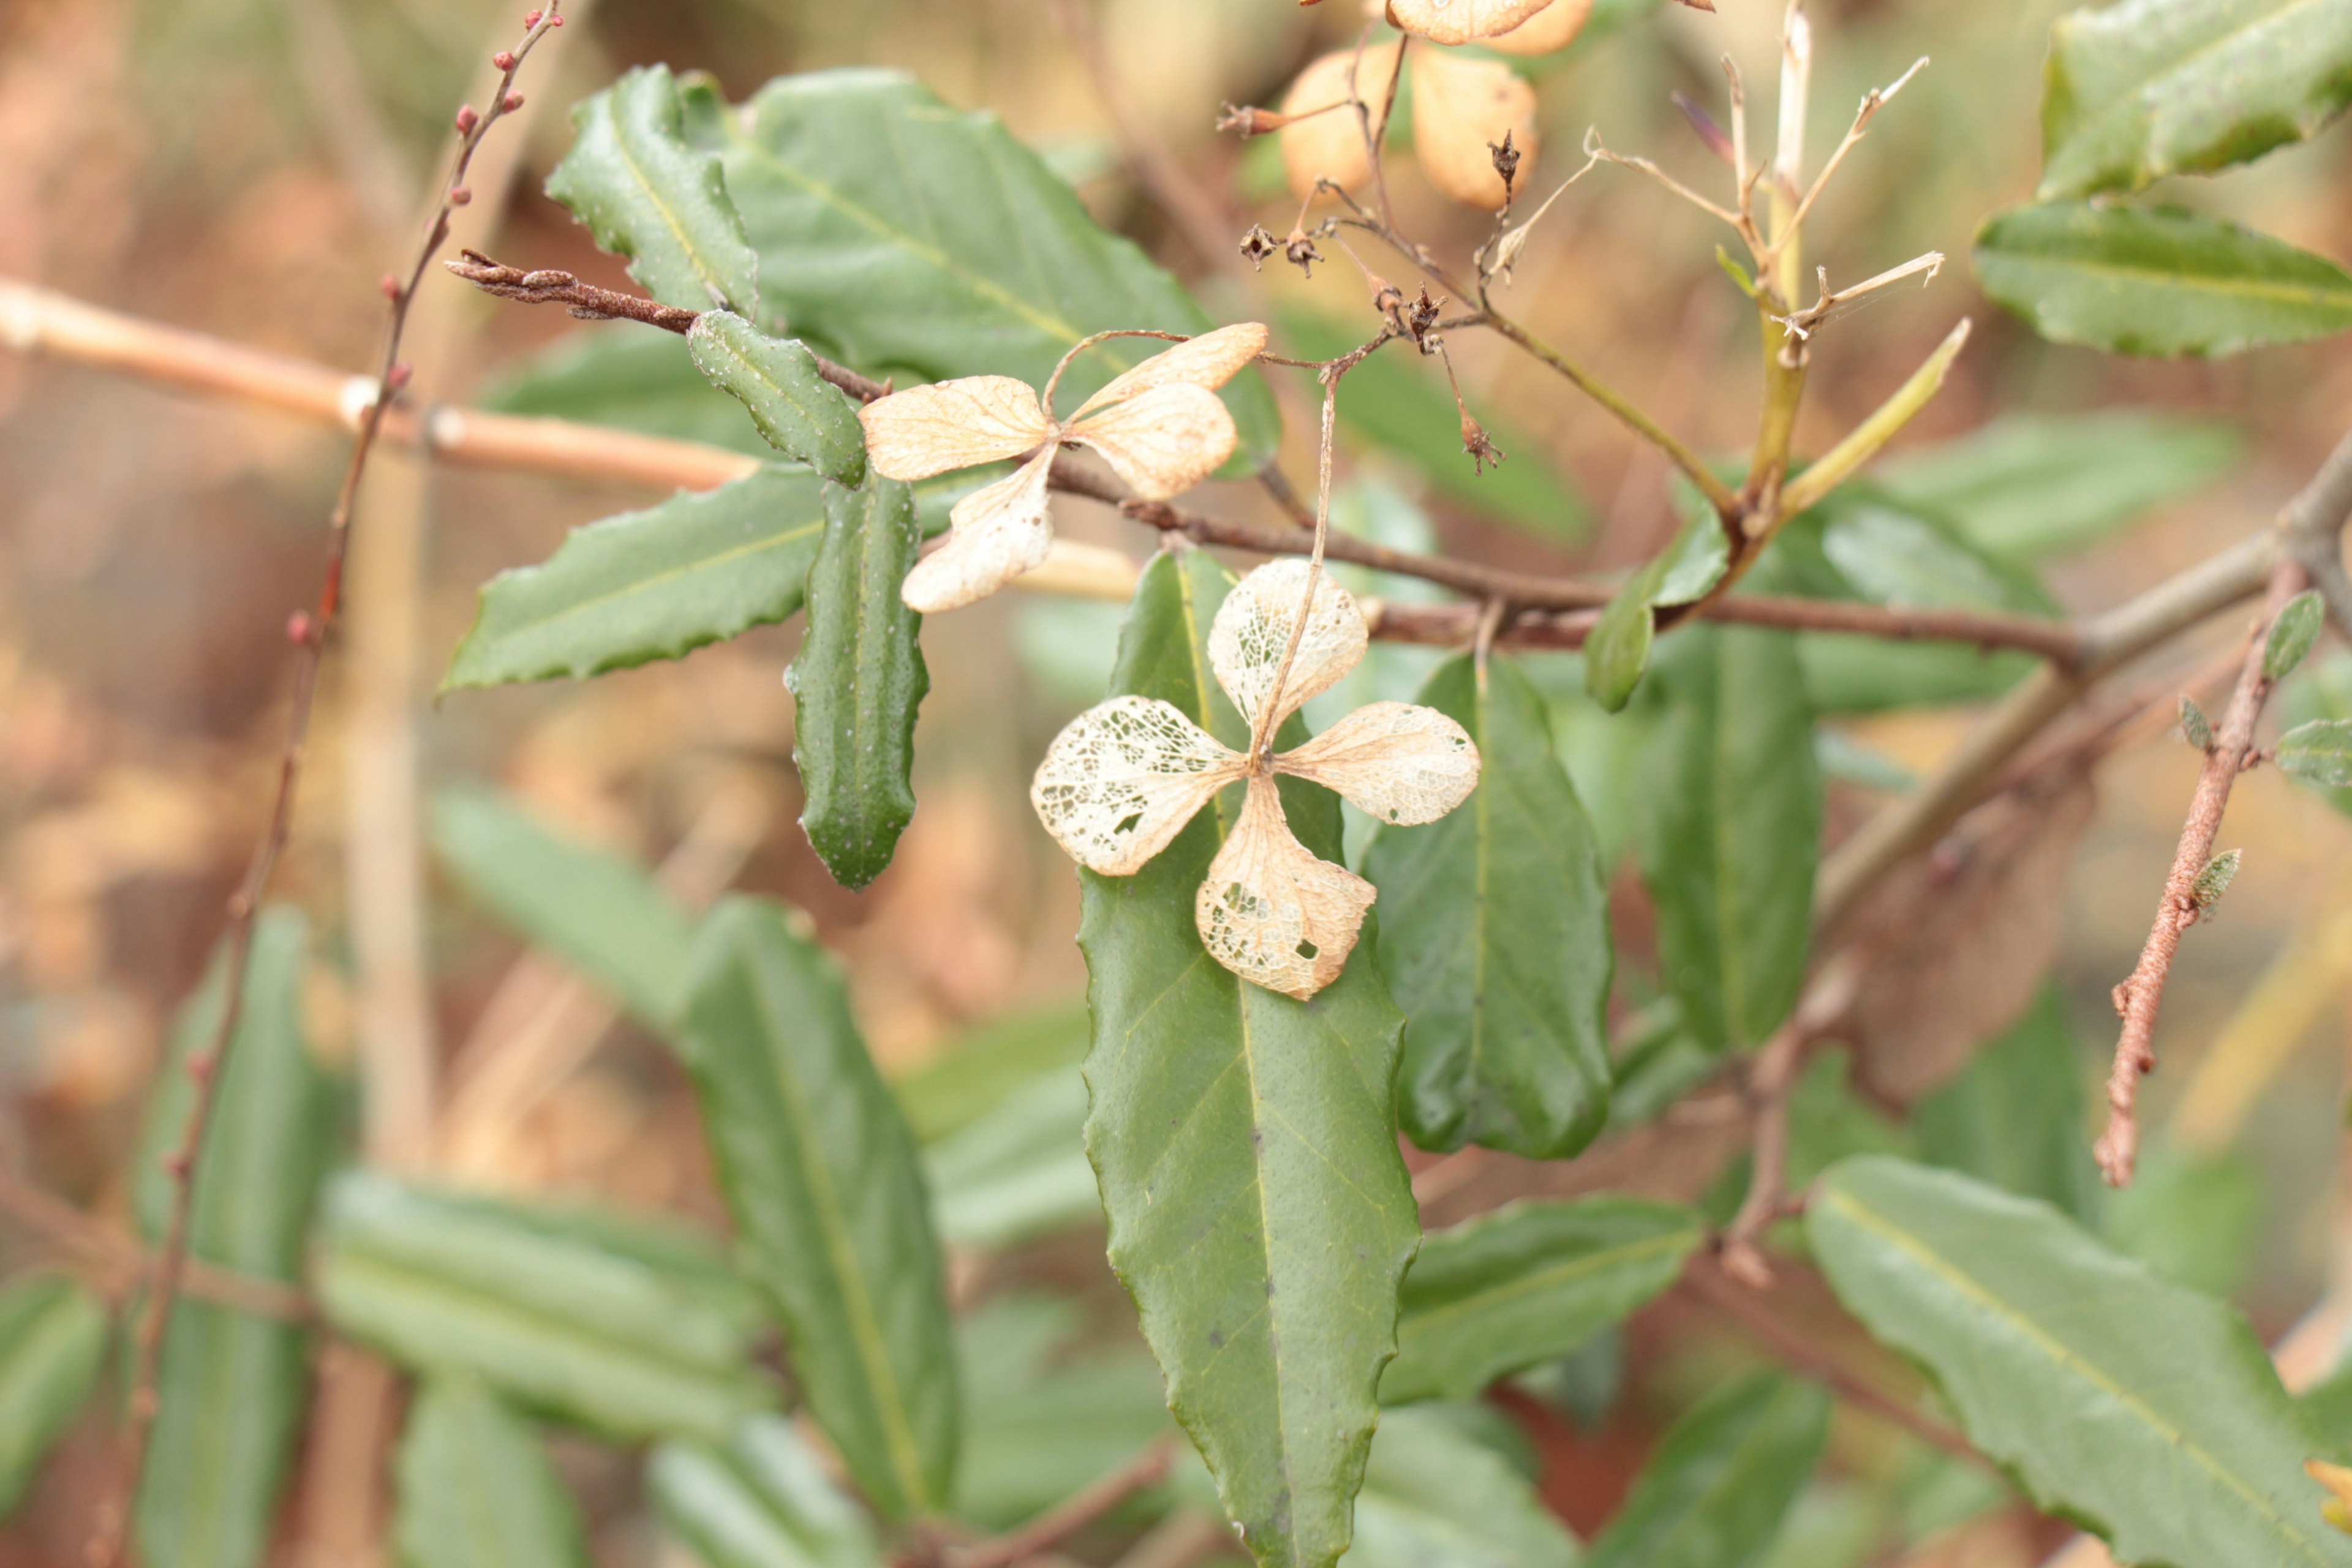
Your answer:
<point x="1122" y="780"/>
<point x="1160" y="426"/>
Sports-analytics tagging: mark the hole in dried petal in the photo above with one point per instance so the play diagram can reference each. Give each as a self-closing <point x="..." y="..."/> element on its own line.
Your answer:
<point x="1307" y="949"/>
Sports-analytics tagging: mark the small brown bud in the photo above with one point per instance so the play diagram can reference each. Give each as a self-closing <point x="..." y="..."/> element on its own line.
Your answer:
<point x="391" y="287"/>
<point x="459" y="195"/>
<point x="467" y="120"/>
<point x="1257" y="245"/>
<point x="1420" y="319"/>
<point x="504" y="60"/>
<point x="513" y="101"/>
<point x="1299" y="251"/>
<point x="1507" y="162"/>
<point x="176" y="1166"/>
<point x="1387" y="297"/>
<point x="200" y="1067"/>
<point x="1249" y="120"/>
<point x="1479" y="445"/>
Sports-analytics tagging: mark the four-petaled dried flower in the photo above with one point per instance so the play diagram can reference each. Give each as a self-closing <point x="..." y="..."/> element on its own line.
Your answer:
<point x="1300" y="252"/>
<point x="1161" y="425"/>
<point x="1420" y="319"/>
<point x="1124" y="778"/>
<point x="1259" y="244"/>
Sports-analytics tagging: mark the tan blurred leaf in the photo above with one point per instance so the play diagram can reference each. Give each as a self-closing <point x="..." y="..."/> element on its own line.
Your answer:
<point x="1551" y="29"/>
<point x="1462" y="110"/>
<point x="1330" y="141"/>
<point x="1461" y="21"/>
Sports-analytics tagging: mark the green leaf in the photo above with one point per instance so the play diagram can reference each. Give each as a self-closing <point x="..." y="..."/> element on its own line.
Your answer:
<point x="1721" y="1479"/>
<point x="2292" y="632"/>
<point x="1019" y="1171"/>
<point x="1618" y="649"/>
<point x="650" y="584"/>
<point x="802" y="414"/>
<point x="52" y="1342"/>
<point x="1405" y="410"/>
<point x="972" y="1075"/>
<point x="2194" y="1218"/>
<point x="474" y="1490"/>
<point x="591" y="909"/>
<point x="1526" y="1283"/>
<point x="2157" y="280"/>
<point x="647" y="194"/>
<point x="617" y="372"/>
<point x="2214" y="879"/>
<point x="569" y="1321"/>
<point x="2014" y="1115"/>
<point x="909" y="235"/>
<point x="820" y="1174"/>
<point x="1726" y="824"/>
<point x="2150" y="88"/>
<point x="1496" y="941"/>
<point x="1434" y="1497"/>
<point x="857" y="681"/>
<point x="232" y="1383"/>
<point x="2030" y="485"/>
<point x="2144" y="1411"/>
<point x="2319" y="752"/>
<point x="760" y="1499"/>
<point x="2195" y="727"/>
<point x="1246" y="1144"/>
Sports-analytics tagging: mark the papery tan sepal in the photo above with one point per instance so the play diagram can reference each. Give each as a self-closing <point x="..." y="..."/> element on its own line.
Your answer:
<point x="1553" y="27"/>
<point x="1210" y="360"/>
<point x="1398" y="761"/>
<point x="1460" y="21"/>
<point x="994" y="534"/>
<point x="1331" y="144"/>
<point x="1163" y="442"/>
<point x="1123" y="778"/>
<point x="1247" y="639"/>
<point x="1274" y="913"/>
<point x="958" y="423"/>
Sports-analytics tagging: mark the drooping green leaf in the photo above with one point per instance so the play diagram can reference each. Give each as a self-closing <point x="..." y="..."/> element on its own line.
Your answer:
<point x="2157" y="280"/>
<point x="2150" y="88"/>
<point x="1019" y="1170"/>
<point x="820" y="1174"/>
<point x="974" y="1075"/>
<point x="909" y="235"/>
<point x="569" y="1321"/>
<point x="2318" y="753"/>
<point x="802" y="414"/>
<point x="1526" y="1283"/>
<point x="648" y="194"/>
<point x="760" y="1499"/>
<point x="1618" y="649"/>
<point x="618" y="373"/>
<point x="2146" y="1412"/>
<point x="1049" y="1412"/>
<point x="857" y="681"/>
<point x="1721" y="1480"/>
<point x="1496" y="939"/>
<point x="232" y="1383"/>
<point x="52" y="1342"/>
<point x="2014" y="1115"/>
<point x="2294" y="630"/>
<point x="589" y="907"/>
<point x="1246" y="1144"/>
<point x="1434" y="1497"/>
<point x="474" y="1490"/>
<point x="650" y="584"/>
<point x="1405" y="411"/>
<point x="2030" y="485"/>
<point x="1725" y="823"/>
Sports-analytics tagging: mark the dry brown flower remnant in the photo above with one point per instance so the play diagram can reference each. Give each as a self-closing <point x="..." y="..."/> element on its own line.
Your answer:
<point x="1122" y="780"/>
<point x="1160" y="426"/>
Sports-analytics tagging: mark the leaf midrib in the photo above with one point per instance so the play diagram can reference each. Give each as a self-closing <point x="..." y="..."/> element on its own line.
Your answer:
<point x="2206" y="282"/>
<point x="649" y="584"/>
<point x="662" y="208"/>
<point x="2064" y="1357"/>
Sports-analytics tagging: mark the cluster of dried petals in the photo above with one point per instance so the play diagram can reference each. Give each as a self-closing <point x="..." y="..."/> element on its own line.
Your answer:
<point x="1160" y="426"/>
<point x="1124" y="778"/>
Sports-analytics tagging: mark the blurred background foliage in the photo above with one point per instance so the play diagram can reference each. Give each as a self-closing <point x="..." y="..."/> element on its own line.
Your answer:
<point x="249" y="167"/>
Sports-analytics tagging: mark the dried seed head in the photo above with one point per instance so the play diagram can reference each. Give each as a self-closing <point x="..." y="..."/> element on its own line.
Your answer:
<point x="1460" y="21"/>
<point x="1322" y="136"/>
<point x="1300" y="252"/>
<point x="1553" y="27"/>
<point x="1506" y="159"/>
<point x="1257" y="245"/>
<point x="1388" y="299"/>
<point x="1460" y="107"/>
<point x="1421" y="320"/>
<point x="1479" y="445"/>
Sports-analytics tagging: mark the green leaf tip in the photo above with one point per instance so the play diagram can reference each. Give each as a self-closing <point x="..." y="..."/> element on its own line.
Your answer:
<point x="2292" y="632"/>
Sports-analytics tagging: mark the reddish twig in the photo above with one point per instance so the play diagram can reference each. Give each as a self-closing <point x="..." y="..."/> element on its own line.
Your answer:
<point x="2138" y="998"/>
<point x="1770" y="1080"/>
<point x="1074" y="1513"/>
<point x="309" y="632"/>
<point x="125" y="1265"/>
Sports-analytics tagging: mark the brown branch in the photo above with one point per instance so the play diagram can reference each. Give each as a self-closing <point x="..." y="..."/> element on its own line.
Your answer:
<point x="1074" y="1513"/>
<point x="1771" y="1079"/>
<point x="1733" y="1300"/>
<point x="2180" y="906"/>
<point x="125" y="1265"/>
<point x="1451" y="623"/>
<point x="110" y="1542"/>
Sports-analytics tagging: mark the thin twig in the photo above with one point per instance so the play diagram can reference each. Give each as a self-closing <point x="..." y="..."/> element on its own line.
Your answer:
<point x="1182" y="198"/>
<point x="1066" y="1518"/>
<point x="1771" y="1079"/>
<point x="2180" y="906"/>
<point x="125" y="1265"/>
<point x="111" y="1542"/>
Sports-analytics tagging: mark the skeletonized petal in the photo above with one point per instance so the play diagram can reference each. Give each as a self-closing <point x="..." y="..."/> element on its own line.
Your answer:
<point x="994" y="534"/>
<point x="1399" y="761"/>
<point x="1273" y="913"/>
<point x="1123" y="778"/>
<point x="1163" y="442"/>
<point x="927" y="430"/>
<point x="1460" y="21"/>
<point x="1210" y="360"/>
<point x="1253" y="628"/>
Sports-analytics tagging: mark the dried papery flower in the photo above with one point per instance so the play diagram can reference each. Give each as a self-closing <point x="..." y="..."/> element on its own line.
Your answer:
<point x="1323" y="141"/>
<point x="1124" y="778"/>
<point x="1160" y="426"/>
<point x="1460" y="107"/>
<point x="1553" y="27"/>
<point x="1461" y="21"/>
